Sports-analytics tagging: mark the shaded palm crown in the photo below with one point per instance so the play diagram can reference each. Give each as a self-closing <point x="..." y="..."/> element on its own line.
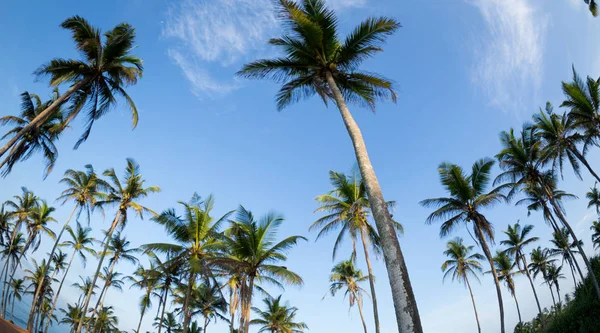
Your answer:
<point x="345" y="275"/>
<point x="595" y="234"/>
<point x="505" y="267"/>
<point x="38" y="225"/>
<point x="81" y="241"/>
<point x="518" y="238"/>
<point x="594" y="198"/>
<point x="39" y="138"/>
<point x="85" y="188"/>
<point x="277" y="317"/>
<point x="583" y="102"/>
<point x="540" y="261"/>
<point x="313" y="49"/>
<point x="462" y="262"/>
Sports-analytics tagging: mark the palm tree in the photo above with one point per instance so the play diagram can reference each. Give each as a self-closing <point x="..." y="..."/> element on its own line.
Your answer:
<point x="168" y="270"/>
<point x="111" y="279"/>
<point x="584" y="109"/>
<point x="559" y="139"/>
<point x="254" y="255"/>
<point x="594" y="198"/>
<point x="208" y="301"/>
<point x="107" y="321"/>
<point x="520" y="159"/>
<point x="96" y="81"/>
<point x="38" y="138"/>
<point x="82" y="243"/>
<point x="468" y="197"/>
<point x="123" y="194"/>
<point x="34" y="276"/>
<point x="278" y="317"/>
<point x="565" y="248"/>
<point x="345" y="276"/>
<point x="145" y="279"/>
<point x="460" y="265"/>
<point x="198" y="239"/>
<point x="347" y="208"/>
<point x="168" y="322"/>
<point x="5" y="225"/>
<point x="518" y="239"/>
<point x="596" y="234"/>
<point x="540" y="261"/>
<point x="18" y="289"/>
<point x="505" y="267"/>
<point x="72" y="316"/>
<point x="554" y="274"/>
<point x="593" y="6"/>
<point x="10" y="254"/>
<point x="86" y="286"/>
<point x="317" y="61"/>
<point x="233" y="286"/>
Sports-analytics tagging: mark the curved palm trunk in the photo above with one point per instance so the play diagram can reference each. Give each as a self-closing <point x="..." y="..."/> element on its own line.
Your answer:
<point x="537" y="301"/>
<point x="100" y="261"/>
<point x="405" y="304"/>
<point x="578" y="269"/>
<point x="362" y="317"/>
<point x="39" y="286"/>
<point x="551" y="292"/>
<point x="205" y="324"/>
<point x="474" y="307"/>
<point x="573" y="273"/>
<point x="164" y="302"/>
<point x="371" y="280"/>
<point x="518" y="309"/>
<point x="143" y="311"/>
<point x="247" y="305"/>
<point x="558" y="293"/>
<point x="562" y="218"/>
<point x="43" y="116"/>
<point x="186" y="303"/>
<point x="584" y="161"/>
<point x="488" y="255"/>
<point x="62" y="281"/>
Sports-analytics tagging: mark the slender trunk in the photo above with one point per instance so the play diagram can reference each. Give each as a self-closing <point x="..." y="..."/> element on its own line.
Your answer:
<point x="232" y="308"/>
<point x="405" y="304"/>
<point x="247" y="305"/>
<point x="12" y="310"/>
<point x="39" y="286"/>
<point x="186" y="303"/>
<point x="537" y="301"/>
<point x="584" y="161"/>
<point x="578" y="269"/>
<point x="100" y="261"/>
<point x="488" y="255"/>
<point x="43" y="116"/>
<point x="474" y="307"/>
<point x="561" y="216"/>
<point x="6" y="264"/>
<point x="162" y="314"/>
<point x="101" y="296"/>
<point x="551" y="292"/>
<point x="362" y="317"/>
<point x="573" y="273"/>
<point x="205" y="324"/>
<point x="12" y="275"/>
<point x="518" y="309"/>
<point x="62" y="281"/>
<point x="141" y="318"/>
<point x="371" y="279"/>
<point x="558" y="293"/>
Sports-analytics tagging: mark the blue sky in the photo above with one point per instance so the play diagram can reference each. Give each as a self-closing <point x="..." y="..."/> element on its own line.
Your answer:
<point x="465" y="70"/>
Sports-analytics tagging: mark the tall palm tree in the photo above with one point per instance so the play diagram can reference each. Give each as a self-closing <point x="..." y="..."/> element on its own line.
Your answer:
<point x="107" y="68"/>
<point x="198" y="241"/>
<point x="520" y="159"/>
<point x="71" y="316"/>
<point x="564" y="248"/>
<point x="38" y="138"/>
<point x="86" y="286"/>
<point x="594" y="198"/>
<point x="540" y="261"/>
<point x="345" y="276"/>
<point x="5" y="225"/>
<point x="317" y="61"/>
<point x="278" y="317"/>
<point x="107" y="321"/>
<point x="468" y="196"/>
<point x="517" y="239"/>
<point x="111" y="279"/>
<point x="505" y="267"/>
<point x="584" y="109"/>
<point x="169" y="271"/>
<point x="254" y="255"/>
<point x="347" y="209"/>
<point x="208" y="301"/>
<point x="145" y="279"/>
<point x="596" y="234"/>
<point x="34" y="276"/>
<point x="554" y="275"/>
<point x="168" y="322"/>
<point x="123" y="194"/>
<point x="81" y="242"/>
<point x="460" y="265"/>
<point x="10" y="255"/>
<point x="18" y="289"/>
<point x="559" y="139"/>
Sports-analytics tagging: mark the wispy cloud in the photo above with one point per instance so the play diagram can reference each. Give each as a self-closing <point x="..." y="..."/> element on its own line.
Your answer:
<point x="509" y="58"/>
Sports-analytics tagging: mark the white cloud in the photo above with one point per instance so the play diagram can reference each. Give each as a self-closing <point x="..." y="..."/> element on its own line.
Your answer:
<point x="509" y="58"/>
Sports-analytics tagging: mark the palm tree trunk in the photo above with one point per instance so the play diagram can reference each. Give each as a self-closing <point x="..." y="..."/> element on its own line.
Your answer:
<point x="584" y="161"/>
<point x="39" y="286"/>
<point x="371" y="279"/>
<point x="474" y="307"/>
<point x="205" y="324"/>
<point x="578" y="269"/>
<point x="12" y="310"/>
<point x="551" y="292"/>
<point x="405" y="304"/>
<point x="488" y="255"/>
<point x="101" y="296"/>
<point x="247" y="305"/>
<point x="186" y="303"/>
<point x="141" y="318"/>
<point x="558" y="293"/>
<point x="6" y="264"/>
<point x="573" y="273"/>
<point x="44" y="115"/>
<point x="100" y="261"/>
<point x="164" y="302"/>
<point x="518" y="309"/>
<point x="362" y="317"/>
<point x="62" y="281"/>
<point x="558" y="212"/>
<point x="12" y="275"/>
<point x="537" y="301"/>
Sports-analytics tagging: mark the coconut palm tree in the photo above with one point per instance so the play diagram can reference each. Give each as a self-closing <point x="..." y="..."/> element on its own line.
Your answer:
<point x="347" y="209"/>
<point x="596" y="234"/>
<point x="254" y="256"/>
<point x="18" y="289"/>
<point x="233" y="285"/>
<point x="316" y="60"/>
<point x="111" y="279"/>
<point x="468" y="197"/>
<point x="71" y="316"/>
<point x="10" y="255"/>
<point x="39" y="138"/>
<point x="345" y="276"/>
<point x="86" y="286"/>
<point x="520" y="159"/>
<point x="564" y="248"/>
<point x="278" y="317"/>
<point x="554" y="275"/>
<point x="559" y="140"/>
<point x="168" y="322"/>
<point x="505" y="267"/>
<point x="145" y="279"/>
<point x="581" y="100"/>
<point x="169" y="271"/>
<point x="124" y="194"/>
<point x="517" y="239"/>
<point x="540" y="261"/>
<point x="5" y="225"/>
<point x="34" y="276"/>
<point x="208" y="301"/>
<point x="96" y="81"/>
<point x="198" y="240"/>
<point x="594" y="198"/>
<point x="460" y="265"/>
<point x="106" y="321"/>
<point x="81" y="242"/>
